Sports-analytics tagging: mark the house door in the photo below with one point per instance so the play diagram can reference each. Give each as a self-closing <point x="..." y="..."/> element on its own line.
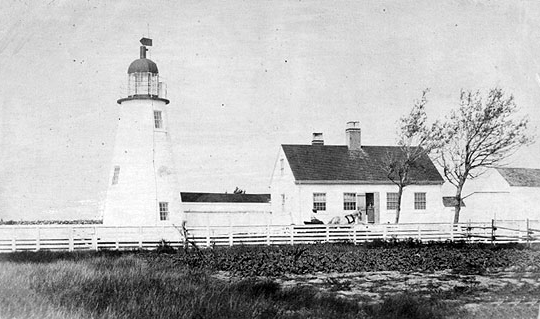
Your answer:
<point x="370" y="208"/>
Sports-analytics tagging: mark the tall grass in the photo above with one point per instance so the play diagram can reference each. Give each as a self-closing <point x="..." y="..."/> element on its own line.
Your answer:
<point x="130" y="287"/>
<point x="112" y="285"/>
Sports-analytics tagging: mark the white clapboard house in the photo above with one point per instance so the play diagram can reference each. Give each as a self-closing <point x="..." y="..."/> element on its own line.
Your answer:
<point x="325" y="181"/>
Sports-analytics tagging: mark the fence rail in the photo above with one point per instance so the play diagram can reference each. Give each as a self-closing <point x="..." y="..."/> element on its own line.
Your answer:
<point x="96" y="237"/>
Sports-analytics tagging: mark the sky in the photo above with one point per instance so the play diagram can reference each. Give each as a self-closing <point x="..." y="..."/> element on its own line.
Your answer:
<point x="243" y="77"/>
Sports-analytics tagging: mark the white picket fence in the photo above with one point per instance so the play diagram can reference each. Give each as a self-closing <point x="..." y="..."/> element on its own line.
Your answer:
<point x="96" y="237"/>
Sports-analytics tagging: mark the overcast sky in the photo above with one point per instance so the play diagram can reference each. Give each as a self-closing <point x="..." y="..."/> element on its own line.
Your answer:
<point x="243" y="77"/>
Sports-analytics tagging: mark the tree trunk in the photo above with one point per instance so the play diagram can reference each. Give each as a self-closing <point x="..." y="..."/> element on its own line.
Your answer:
<point x="398" y="208"/>
<point x="457" y="208"/>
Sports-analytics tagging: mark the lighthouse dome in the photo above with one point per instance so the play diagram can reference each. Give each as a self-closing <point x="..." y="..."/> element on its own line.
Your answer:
<point x="142" y="65"/>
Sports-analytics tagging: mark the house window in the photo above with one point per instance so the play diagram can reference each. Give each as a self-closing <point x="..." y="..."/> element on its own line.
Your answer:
<point x="391" y="201"/>
<point x="115" y="175"/>
<point x="349" y="201"/>
<point x="419" y="200"/>
<point x="163" y="211"/>
<point x="158" y="120"/>
<point x="319" y="201"/>
<point x="282" y="166"/>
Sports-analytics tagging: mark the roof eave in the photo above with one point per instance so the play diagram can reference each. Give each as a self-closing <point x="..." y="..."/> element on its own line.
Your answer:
<point x="350" y="182"/>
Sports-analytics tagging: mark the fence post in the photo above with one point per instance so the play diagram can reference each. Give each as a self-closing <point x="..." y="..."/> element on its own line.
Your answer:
<point x="207" y="235"/>
<point x="529" y="236"/>
<point x="95" y="239"/>
<point x="38" y="238"/>
<point x="327" y="233"/>
<point x="140" y="237"/>
<point x="419" y="233"/>
<point x="268" y="235"/>
<point x="116" y="243"/>
<point x="492" y="231"/>
<point x="14" y="240"/>
<point x="292" y="235"/>
<point x="385" y="230"/>
<point x="231" y="236"/>
<point x="355" y="240"/>
<point x="469" y="229"/>
<point x="71" y="245"/>
<point x="452" y="232"/>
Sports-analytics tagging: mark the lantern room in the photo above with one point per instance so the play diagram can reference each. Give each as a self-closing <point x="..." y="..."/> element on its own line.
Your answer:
<point x="143" y="76"/>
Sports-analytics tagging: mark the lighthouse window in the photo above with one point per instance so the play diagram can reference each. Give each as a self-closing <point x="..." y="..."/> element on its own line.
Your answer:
<point x="115" y="175"/>
<point x="158" y="121"/>
<point x="163" y="211"/>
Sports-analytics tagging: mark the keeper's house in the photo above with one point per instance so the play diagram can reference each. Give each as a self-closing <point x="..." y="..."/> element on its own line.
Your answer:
<point x="503" y="194"/>
<point x="337" y="180"/>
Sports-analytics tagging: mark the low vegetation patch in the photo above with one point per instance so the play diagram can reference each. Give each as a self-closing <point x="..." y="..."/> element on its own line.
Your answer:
<point x="169" y="283"/>
<point x="407" y="256"/>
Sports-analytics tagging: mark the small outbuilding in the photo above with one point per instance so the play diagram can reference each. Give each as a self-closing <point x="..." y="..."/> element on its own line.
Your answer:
<point x="226" y="209"/>
<point x="502" y="193"/>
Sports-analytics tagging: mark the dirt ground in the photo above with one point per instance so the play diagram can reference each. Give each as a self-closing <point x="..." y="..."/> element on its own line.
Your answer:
<point x="503" y="294"/>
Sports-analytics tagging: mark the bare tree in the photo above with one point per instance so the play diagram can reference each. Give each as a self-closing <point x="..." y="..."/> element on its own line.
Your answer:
<point x="482" y="132"/>
<point x="414" y="142"/>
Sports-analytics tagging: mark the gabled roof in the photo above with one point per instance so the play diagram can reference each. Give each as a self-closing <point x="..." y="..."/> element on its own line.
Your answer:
<point x="338" y="164"/>
<point x="524" y="177"/>
<point x="450" y="201"/>
<point x="224" y="198"/>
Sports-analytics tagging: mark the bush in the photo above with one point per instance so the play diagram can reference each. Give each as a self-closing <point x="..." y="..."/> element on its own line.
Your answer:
<point x="165" y="248"/>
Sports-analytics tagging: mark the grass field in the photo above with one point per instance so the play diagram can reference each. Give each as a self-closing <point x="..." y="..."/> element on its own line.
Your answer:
<point x="184" y="285"/>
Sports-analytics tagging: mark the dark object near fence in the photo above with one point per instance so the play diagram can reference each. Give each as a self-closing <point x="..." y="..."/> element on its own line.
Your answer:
<point x="165" y="248"/>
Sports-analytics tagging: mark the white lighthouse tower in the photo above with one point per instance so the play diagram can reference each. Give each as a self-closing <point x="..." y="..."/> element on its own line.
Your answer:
<point x="143" y="187"/>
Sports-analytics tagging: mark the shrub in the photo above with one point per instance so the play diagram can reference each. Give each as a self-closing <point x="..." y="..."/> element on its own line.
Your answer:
<point x="165" y="248"/>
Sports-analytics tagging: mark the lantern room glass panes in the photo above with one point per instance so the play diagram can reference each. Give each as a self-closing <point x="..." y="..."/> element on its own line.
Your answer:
<point x="143" y="83"/>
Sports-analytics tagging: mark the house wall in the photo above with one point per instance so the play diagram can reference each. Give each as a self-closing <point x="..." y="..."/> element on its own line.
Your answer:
<point x="519" y="203"/>
<point x="490" y="197"/>
<point x="434" y="211"/>
<point x="282" y="183"/>
<point x="226" y="214"/>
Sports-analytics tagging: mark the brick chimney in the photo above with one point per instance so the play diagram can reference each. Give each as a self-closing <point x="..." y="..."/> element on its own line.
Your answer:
<point x="353" y="134"/>
<point x="317" y="139"/>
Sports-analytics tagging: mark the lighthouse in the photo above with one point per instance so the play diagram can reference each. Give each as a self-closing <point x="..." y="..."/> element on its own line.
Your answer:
<point x="143" y="186"/>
